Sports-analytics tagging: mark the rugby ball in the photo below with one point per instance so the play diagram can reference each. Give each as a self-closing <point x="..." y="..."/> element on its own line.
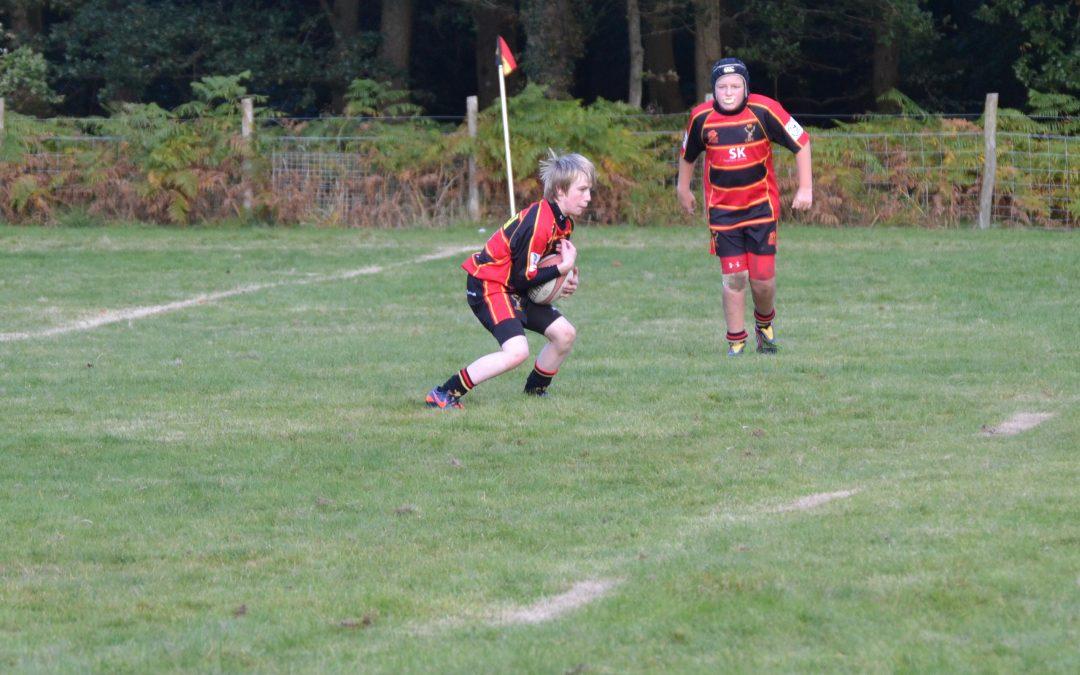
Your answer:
<point x="549" y="292"/>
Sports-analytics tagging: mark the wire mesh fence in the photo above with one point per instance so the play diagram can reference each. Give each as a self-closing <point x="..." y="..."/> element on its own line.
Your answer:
<point x="1038" y="180"/>
<point x="338" y="171"/>
<point x="345" y="186"/>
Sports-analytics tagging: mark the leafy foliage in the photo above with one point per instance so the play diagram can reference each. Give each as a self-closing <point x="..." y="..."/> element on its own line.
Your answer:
<point x="370" y="98"/>
<point x="189" y="164"/>
<point x="24" y="82"/>
<point x="165" y="44"/>
<point x="631" y="179"/>
<point x="1050" y="59"/>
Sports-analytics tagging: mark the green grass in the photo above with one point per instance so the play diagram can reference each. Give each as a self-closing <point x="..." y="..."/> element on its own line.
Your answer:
<point x="254" y="484"/>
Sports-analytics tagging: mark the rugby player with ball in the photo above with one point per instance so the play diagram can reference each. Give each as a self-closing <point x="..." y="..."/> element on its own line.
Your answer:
<point x="501" y="276"/>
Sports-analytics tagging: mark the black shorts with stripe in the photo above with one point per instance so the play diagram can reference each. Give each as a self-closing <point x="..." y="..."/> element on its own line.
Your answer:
<point x="507" y="315"/>
<point x="756" y="239"/>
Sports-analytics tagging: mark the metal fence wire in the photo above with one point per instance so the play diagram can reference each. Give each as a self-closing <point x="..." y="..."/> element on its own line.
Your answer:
<point x="935" y="175"/>
<point x="1038" y="179"/>
<point x="343" y="186"/>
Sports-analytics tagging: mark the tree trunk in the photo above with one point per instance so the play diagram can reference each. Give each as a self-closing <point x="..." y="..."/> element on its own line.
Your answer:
<point x="395" y="27"/>
<point x="491" y="21"/>
<point x="345" y="22"/>
<point x="637" y="52"/>
<point x="554" y="37"/>
<point x="886" y="73"/>
<point x="663" y="81"/>
<point x="707" y="16"/>
<point x="25" y="20"/>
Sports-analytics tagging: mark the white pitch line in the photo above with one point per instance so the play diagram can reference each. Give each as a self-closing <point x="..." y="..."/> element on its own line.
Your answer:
<point x="813" y="501"/>
<point x="546" y="609"/>
<point x="131" y="313"/>
<point x="1021" y="421"/>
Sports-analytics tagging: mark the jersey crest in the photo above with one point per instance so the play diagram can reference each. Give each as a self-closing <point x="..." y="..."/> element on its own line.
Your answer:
<point x="794" y="129"/>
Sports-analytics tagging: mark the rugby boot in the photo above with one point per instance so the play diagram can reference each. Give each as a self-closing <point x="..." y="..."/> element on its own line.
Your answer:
<point x="766" y="340"/>
<point x="538" y="392"/>
<point x="438" y="398"/>
<point x="736" y="348"/>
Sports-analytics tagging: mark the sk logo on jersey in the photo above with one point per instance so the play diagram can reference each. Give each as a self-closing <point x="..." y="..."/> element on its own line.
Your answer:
<point x="736" y="153"/>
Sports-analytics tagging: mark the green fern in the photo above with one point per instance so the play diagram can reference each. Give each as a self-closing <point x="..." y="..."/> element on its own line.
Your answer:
<point x="25" y="193"/>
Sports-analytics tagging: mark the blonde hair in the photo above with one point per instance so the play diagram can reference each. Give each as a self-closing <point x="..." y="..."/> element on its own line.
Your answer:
<point x="559" y="171"/>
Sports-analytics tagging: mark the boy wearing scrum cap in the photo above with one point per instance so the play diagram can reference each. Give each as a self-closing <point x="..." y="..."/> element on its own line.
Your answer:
<point x="736" y="131"/>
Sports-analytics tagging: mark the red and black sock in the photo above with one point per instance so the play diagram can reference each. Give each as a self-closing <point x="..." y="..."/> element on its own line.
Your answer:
<point x="764" y="320"/>
<point x="460" y="384"/>
<point x="736" y="337"/>
<point x="539" y="380"/>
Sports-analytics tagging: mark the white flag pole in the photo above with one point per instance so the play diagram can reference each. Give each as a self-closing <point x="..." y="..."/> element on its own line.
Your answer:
<point x="506" y="141"/>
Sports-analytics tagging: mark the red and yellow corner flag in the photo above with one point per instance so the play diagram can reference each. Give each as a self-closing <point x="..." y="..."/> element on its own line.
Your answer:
<point x="506" y="59"/>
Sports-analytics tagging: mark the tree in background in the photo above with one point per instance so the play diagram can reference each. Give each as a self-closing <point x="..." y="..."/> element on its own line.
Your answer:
<point x="637" y="51"/>
<point x="489" y="19"/>
<point x="1049" y="59"/>
<point x="25" y="18"/>
<point x="661" y="20"/>
<point x="395" y="43"/>
<point x="829" y="57"/>
<point x="23" y="82"/>
<point x="23" y="77"/>
<point x="708" y="21"/>
<point x="297" y="54"/>
<point x="554" y="42"/>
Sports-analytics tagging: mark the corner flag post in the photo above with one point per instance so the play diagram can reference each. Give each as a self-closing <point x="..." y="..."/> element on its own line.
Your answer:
<point x="506" y="65"/>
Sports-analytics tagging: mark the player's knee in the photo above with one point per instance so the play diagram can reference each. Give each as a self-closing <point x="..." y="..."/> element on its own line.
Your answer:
<point x="736" y="281"/>
<point x="515" y="352"/>
<point x="564" y="334"/>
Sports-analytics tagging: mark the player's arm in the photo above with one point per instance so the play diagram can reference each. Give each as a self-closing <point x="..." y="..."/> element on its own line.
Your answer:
<point x="682" y="187"/>
<point x="568" y="266"/>
<point x="780" y="127"/>
<point x="804" y="195"/>
<point x="692" y="146"/>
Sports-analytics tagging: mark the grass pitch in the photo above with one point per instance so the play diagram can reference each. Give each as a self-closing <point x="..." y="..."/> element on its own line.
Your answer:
<point x="253" y="483"/>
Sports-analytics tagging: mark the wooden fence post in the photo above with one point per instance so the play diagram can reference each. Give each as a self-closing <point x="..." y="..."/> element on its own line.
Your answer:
<point x="247" y="126"/>
<point x="471" y="108"/>
<point x="986" y="193"/>
<point x="1" y="114"/>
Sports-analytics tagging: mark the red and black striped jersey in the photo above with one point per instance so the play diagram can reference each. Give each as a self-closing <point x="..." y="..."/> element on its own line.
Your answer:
<point x="512" y="255"/>
<point x="740" y="184"/>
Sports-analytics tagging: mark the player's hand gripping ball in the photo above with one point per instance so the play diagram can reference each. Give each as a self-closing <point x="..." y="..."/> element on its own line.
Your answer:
<point x="549" y="292"/>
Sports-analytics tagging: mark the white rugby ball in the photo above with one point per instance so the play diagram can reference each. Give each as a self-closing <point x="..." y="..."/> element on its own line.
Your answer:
<point x="550" y="291"/>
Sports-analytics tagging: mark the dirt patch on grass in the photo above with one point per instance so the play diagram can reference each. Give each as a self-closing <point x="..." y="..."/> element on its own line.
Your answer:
<point x="546" y="609"/>
<point x="1021" y="421"/>
<point x="813" y="501"/>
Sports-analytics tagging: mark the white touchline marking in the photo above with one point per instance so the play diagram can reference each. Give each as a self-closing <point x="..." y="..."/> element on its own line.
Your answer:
<point x="1021" y="421"/>
<point x="806" y="503"/>
<point x="546" y="609"/>
<point x="584" y="592"/>
<point x="115" y="316"/>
